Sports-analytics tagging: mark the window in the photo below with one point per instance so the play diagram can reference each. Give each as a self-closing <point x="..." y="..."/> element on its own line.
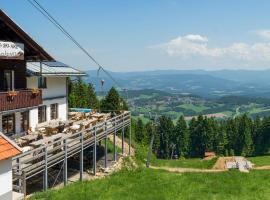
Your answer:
<point x="54" y="111"/>
<point x="8" y="80"/>
<point x="42" y="114"/>
<point x="42" y="82"/>
<point x="8" y="123"/>
<point x="24" y="121"/>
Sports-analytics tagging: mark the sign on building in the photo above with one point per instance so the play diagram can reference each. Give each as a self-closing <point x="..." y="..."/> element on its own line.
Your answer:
<point x="11" y="50"/>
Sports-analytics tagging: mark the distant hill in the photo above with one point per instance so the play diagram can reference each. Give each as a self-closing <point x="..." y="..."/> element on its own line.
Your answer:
<point x="211" y="84"/>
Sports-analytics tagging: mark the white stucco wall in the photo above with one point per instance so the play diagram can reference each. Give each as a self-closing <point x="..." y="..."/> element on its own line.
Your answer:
<point x="33" y="118"/>
<point x="56" y="86"/>
<point x="62" y="108"/>
<point x="6" y="179"/>
<point x="62" y="111"/>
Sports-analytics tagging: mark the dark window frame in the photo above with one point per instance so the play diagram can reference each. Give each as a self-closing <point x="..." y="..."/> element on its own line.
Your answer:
<point x="42" y="114"/>
<point x="42" y="82"/>
<point x="9" y="86"/>
<point x="5" y="121"/>
<point x="54" y="111"/>
<point x="25" y="121"/>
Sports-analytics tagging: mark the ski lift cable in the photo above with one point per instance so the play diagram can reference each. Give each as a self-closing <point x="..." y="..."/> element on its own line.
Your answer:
<point x="47" y="15"/>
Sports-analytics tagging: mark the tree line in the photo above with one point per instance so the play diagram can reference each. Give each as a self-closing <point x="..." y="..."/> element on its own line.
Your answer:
<point x="239" y="136"/>
<point x="83" y="95"/>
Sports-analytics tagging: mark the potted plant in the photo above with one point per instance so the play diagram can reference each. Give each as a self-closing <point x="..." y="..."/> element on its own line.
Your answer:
<point x="11" y="95"/>
<point x="35" y="91"/>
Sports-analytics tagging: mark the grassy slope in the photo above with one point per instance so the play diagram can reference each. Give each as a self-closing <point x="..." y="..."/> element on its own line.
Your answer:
<point x="158" y="184"/>
<point x="260" y="160"/>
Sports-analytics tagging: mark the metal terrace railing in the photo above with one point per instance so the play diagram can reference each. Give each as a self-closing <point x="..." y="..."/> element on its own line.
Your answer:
<point x="39" y="160"/>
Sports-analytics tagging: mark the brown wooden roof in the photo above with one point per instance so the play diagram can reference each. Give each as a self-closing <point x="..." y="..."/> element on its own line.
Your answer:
<point x="10" y="31"/>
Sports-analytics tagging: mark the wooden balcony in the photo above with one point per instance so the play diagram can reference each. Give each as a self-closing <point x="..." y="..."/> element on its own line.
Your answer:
<point x="20" y="99"/>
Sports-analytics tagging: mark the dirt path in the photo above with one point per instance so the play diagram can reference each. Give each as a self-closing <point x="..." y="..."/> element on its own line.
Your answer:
<point x="262" y="167"/>
<point x="182" y="170"/>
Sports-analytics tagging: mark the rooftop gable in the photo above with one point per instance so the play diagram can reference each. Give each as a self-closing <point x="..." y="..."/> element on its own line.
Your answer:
<point x="10" y="31"/>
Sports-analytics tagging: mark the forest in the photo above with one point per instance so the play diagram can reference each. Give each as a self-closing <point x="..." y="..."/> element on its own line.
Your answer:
<point x="239" y="136"/>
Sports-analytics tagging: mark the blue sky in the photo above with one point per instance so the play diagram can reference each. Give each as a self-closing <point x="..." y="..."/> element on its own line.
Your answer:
<point x="136" y="35"/>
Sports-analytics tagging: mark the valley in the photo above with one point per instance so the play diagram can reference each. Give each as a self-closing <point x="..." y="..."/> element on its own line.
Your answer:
<point x="173" y="105"/>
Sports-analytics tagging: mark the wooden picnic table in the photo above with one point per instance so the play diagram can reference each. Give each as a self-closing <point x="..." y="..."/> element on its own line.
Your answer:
<point x="47" y="140"/>
<point x="30" y="137"/>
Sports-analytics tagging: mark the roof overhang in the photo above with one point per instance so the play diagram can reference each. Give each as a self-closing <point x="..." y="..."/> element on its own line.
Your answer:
<point x="10" y="31"/>
<point x="52" y="69"/>
<point x="9" y="149"/>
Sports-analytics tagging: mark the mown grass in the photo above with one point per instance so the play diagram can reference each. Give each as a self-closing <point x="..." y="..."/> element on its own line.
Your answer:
<point x="160" y="185"/>
<point x="260" y="160"/>
<point x="185" y="163"/>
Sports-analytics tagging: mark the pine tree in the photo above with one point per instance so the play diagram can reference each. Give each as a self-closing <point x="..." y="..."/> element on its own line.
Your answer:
<point x="111" y="101"/>
<point x="182" y="137"/>
<point x="92" y="97"/>
<point x="245" y="140"/>
<point x="221" y="142"/>
<point x="165" y="132"/>
<point x="140" y="132"/>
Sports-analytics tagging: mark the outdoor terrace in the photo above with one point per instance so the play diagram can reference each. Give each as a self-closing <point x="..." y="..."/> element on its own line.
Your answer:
<point x="53" y="143"/>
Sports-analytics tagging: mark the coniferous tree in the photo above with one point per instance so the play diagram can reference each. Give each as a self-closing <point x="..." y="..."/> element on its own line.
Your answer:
<point x="245" y="140"/>
<point x="140" y="132"/>
<point x="165" y="132"/>
<point x="111" y="101"/>
<point x="92" y="97"/>
<point x="182" y="137"/>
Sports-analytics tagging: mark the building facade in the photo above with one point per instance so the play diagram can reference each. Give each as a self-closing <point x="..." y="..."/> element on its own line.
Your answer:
<point x="33" y="85"/>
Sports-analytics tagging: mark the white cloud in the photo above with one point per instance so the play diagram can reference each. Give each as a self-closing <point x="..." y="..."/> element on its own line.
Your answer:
<point x="263" y="33"/>
<point x="197" y="45"/>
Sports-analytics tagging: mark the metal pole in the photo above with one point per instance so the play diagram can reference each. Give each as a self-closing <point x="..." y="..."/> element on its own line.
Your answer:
<point x="81" y="158"/>
<point x="46" y="168"/>
<point x="150" y="150"/>
<point x="19" y="171"/>
<point x="114" y="138"/>
<point x="123" y="134"/>
<point x="106" y="147"/>
<point x="95" y="153"/>
<point x="65" y="162"/>
<point x="24" y="184"/>
<point x="129" y="140"/>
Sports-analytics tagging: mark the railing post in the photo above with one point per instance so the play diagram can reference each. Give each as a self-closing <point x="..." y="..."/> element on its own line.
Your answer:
<point x="95" y="152"/>
<point x="24" y="183"/>
<point x="81" y="158"/>
<point x="123" y="135"/>
<point x="65" y="163"/>
<point x="114" y="138"/>
<point x="45" y="186"/>
<point x="19" y="172"/>
<point x="106" y="147"/>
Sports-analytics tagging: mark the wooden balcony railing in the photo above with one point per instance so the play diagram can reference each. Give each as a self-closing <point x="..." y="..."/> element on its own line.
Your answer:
<point x="20" y="99"/>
